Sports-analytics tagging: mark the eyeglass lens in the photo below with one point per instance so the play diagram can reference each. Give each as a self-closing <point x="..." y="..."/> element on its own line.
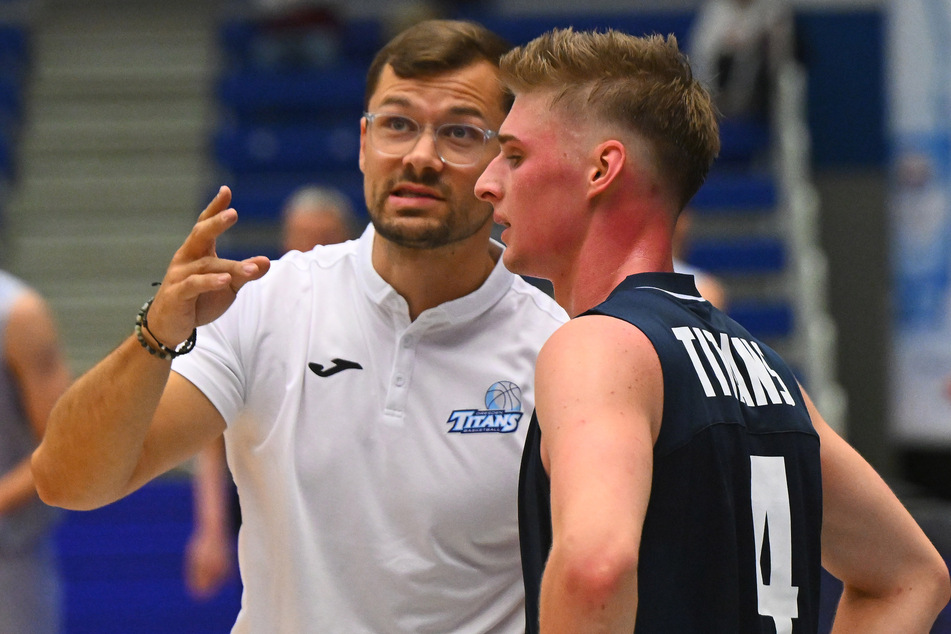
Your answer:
<point x="456" y="143"/>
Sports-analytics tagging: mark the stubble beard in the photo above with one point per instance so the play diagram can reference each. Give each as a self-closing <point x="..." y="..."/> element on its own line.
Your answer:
<point x="413" y="231"/>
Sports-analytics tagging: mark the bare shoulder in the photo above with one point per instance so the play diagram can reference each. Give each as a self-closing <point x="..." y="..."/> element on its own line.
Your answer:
<point x="597" y="338"/>
<point x="597" y="363"/>
<point x="28" y="306"/>
<point x="31" y="328"/>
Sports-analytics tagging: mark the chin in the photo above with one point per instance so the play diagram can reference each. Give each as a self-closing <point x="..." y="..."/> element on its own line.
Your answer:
<point x="418" y="233"/>
<point x="514" y="263"/>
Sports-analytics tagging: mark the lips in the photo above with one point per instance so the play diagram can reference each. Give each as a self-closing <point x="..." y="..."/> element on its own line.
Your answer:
<point x="415" y="191"/>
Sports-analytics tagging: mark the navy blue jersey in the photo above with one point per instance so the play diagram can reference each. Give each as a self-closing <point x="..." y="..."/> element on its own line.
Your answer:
<point x="731" y="539"/>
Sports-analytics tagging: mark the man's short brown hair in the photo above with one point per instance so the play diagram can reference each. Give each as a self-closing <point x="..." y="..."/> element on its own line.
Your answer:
<point x="434" y="47"/>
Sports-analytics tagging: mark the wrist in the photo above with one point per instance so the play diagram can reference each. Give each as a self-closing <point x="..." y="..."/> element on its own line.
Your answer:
<point x="152" y="343"/>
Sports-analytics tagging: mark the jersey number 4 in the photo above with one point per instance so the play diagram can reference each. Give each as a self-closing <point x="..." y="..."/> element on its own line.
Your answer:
<point x="772" y="531"/>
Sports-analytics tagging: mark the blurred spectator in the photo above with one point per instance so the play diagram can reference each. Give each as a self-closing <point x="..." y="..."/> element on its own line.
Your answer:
<point x="312" y="215"/>
<point x="210" y="553"/>
<point x="317" y="215"/>
<point x="410" y="13"/>
<point x="735" y="48"/>
<point x="34" y="373"/>
<point x="710" y="287"/>
<point x="295" y="34"/>
<point x="405" y="13"/>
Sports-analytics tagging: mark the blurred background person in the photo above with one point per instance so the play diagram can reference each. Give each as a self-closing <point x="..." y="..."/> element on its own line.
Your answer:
<point x="736" y="46"/>
<point x="294" y="33"/>
<point x="313" y="215"/>
<point x="34" y="373"/>
<point x="317" y="215"/>
<point x="211" y="551"/>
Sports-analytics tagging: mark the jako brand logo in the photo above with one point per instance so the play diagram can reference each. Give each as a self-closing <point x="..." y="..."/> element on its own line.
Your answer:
<point x="503" y="402"/>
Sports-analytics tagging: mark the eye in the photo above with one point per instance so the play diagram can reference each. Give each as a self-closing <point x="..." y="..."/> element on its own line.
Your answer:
<point x="462" y="133"/>
<point x="395" y="123"/>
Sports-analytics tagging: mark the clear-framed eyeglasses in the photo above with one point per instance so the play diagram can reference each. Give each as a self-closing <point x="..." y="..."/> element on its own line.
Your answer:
<point x="458" y="144"/>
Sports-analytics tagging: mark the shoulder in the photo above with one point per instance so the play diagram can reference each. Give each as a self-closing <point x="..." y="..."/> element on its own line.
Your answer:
<point x="321" y="256"/>
<point x="11" y="288"/>
<point x="30" y="329"/>
<point x="597" y="339"/>
<point x="600" y="365"/>
<point x="19" y="307"/>
<point x="27" y="311"/>
<point x="597" y="355"/>
<point x="300" y="267"/>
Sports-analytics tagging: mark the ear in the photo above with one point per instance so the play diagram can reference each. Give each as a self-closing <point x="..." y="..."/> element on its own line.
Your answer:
<point x="608" y="161"/>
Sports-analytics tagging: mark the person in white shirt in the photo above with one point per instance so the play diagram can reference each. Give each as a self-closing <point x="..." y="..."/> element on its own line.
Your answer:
<point x="373" y="395"/>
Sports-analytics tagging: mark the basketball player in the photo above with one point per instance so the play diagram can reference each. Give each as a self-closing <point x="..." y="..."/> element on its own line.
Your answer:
<point x="353" y="383"/>
<point x="676" y="478"/>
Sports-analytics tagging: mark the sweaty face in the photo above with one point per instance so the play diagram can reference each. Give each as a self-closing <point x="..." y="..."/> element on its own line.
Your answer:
<point x="416" y="200"/>
<point x="535" y="185"/>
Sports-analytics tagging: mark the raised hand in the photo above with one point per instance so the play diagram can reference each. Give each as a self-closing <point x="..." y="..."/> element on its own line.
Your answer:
<point x="199" y="286"/>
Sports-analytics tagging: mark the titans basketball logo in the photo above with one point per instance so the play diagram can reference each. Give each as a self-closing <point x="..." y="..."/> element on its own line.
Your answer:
<point x="503" y="410"/>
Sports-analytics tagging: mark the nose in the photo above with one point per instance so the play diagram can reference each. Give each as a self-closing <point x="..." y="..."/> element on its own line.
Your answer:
<point x="424" y="153"/>
<point x="486" y="187"/>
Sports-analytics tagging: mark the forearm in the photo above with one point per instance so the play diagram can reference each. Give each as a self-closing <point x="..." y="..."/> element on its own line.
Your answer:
<point x="894" y="579"/>
<point x="210" y="489"/>
<point x="915" y="609"/>
<point x="209" y="552"/>
<point x="16" y="487"/>
<point x="103" y="438"/>
<point x="95" y="434"/>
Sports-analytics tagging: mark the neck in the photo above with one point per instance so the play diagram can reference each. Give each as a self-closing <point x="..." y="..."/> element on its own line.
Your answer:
<point x="611" y="254"/>
<point x="426" y="278"/>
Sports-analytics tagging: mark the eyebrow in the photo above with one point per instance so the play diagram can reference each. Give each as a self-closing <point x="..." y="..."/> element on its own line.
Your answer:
<point x="454" y="111"/>
<point x="468" y="111"/>
<point x="395" y="101"/>
<point x="507" y="138"/>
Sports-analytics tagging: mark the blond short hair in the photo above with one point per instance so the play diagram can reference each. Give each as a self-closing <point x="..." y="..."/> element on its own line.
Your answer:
<point x="643" y="84"/>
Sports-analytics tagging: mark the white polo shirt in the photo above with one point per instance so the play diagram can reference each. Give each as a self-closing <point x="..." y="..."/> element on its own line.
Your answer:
<point x="376" y="458"/>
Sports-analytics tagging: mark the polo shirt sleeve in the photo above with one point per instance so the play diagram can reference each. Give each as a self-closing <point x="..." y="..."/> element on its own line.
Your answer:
<point x="216" y="366"/>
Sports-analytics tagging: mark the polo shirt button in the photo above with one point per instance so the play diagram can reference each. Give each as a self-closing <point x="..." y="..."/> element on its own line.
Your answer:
<point x="400" y="380"/>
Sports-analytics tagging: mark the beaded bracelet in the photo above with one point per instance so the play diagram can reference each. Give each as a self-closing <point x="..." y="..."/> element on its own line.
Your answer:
<point x="163" y="351"/>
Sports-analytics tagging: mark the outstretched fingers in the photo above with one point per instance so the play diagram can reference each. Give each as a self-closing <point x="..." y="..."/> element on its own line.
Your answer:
<point x="198" y="285"/>
<point x="211" y="274"/>
<point x="211" y="304"/>
<point x="216" y="218"/>
<point x="252" y="269"/>
<point x="218" y="204"/>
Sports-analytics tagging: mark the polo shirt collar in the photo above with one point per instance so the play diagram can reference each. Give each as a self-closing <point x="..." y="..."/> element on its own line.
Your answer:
<point x="463" y="309"/>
